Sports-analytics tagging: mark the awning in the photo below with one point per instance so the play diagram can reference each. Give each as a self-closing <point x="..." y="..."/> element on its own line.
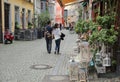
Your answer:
<point x="68" y="1"/>
<point x="63" y="2"/>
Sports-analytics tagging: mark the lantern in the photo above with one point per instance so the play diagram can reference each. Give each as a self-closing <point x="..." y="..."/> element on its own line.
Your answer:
<point x="98" y="58"/>
<point x="76" y="49"/>
<point x="82" y="75"/>
<point x="107" y="61"/>
<point x="73" y="70"/>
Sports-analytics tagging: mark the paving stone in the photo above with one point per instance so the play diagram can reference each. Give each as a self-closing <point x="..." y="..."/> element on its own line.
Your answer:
<point x="56" y="78"/>
<point x="16" y="60"/>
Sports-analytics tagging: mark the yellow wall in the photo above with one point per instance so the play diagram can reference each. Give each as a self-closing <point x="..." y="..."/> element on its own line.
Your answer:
<point x="21" y="4"/>
<point x="2" y="15"/>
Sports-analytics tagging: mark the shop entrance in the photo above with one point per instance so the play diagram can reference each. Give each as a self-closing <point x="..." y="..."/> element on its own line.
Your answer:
<point x="0" y="22"/>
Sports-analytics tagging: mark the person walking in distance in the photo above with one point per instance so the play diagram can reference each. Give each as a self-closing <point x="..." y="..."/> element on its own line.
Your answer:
<point x="56" y="33"/>
<point x="48" y="36"/>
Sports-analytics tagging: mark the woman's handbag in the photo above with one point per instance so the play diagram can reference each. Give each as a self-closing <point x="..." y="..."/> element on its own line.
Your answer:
<point x="62" y="36"/>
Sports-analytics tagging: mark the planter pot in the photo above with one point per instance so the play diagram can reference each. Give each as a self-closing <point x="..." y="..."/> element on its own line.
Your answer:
<point x="35" y="34"/>
<point x="40" y="34"/>
<point x="28" y="34"/>
<point x="17" y="34"/>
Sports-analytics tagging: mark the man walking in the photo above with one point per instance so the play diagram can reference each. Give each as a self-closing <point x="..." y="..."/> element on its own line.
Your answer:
<point x="48" y="36"/>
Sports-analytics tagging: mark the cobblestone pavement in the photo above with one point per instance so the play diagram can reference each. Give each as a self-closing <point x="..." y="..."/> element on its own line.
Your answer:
<point x="16" y="60"/>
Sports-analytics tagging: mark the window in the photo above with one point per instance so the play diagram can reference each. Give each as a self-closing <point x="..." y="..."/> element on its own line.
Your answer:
<point x="29" y="16"/>
<point x="41" y="5"/>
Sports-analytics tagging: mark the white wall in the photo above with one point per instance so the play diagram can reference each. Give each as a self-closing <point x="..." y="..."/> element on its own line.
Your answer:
<point x="51" y="8"/>
<point x="38" y="6"/>
<point x="73" y="14"/>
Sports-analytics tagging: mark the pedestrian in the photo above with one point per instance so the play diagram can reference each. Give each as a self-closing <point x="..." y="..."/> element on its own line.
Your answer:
<point x="57" y="33"/>
<point x="48" y="36"/>
<point x="60" y="26"/>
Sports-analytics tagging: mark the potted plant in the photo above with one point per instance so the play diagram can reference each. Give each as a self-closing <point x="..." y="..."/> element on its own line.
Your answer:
<point x="30" y="25"/>
<point x="17" y="31"/>
<point x="17" y="26"/>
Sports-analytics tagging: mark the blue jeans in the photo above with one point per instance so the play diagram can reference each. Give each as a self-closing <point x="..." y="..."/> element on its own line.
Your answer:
<point x="49" y="45"/>
<point x="57" y="47"/>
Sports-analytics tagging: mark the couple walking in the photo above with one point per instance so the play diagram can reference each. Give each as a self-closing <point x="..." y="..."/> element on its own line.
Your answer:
<point x="53" y="33"/>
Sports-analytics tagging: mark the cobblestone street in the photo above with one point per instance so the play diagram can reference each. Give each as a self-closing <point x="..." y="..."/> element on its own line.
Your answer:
<point x="16" y="59"/>
<point x="85" y="48"/>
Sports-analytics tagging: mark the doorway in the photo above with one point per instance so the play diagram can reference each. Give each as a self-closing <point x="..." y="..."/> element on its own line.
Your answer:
<point x="1" y="37"/>
<point x="7" y="16"/>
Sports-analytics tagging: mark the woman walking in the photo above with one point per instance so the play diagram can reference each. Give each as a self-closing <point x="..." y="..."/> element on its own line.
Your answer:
<point x="56" y="32"/>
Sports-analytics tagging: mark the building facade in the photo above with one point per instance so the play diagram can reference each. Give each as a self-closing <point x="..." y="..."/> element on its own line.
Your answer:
<point x="69" y="10"/>
<point x="37" y="11"/>
<point x="72" y="11"/>
<point x="58" y="13"/>
<point x="51" y="9"/>
<point x="37" y="6"/>
<point x="44" y="5"/>
<point x="16" y="11"/>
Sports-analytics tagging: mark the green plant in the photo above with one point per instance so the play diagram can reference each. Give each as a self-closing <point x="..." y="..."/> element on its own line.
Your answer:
<point x="114" y="62"/>
<point x="78" y="27"/>
<point x="83" y="26"/>
<point x="17" y="26"/>
<point x="105" y="21"/>
<point x="30" y="25"/>
<point x="80" y="13"/>
<point x="107" y="34"/>
<point x="43" y="18"/>
<point x="96" y="10"/>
